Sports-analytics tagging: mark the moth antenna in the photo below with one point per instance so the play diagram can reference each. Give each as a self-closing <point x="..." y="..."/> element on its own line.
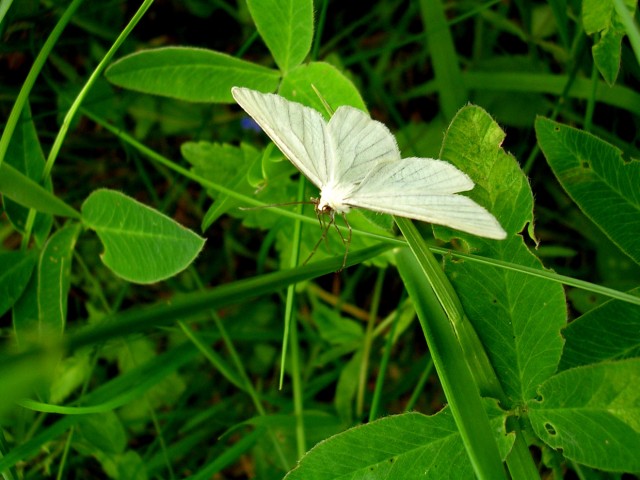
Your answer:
<point x="327" y="107"/>
<point x="285" y="204"/>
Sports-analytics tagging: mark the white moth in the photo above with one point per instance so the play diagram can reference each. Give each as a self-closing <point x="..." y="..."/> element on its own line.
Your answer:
<point x="355" y="162"/>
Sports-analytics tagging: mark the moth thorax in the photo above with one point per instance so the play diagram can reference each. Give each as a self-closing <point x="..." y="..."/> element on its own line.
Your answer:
<point x="332" y="199"/>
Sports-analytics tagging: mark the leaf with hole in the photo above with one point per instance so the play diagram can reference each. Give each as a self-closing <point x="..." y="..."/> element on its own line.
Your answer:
<point x="592" y="414"/>
<point x="595" y="176"/>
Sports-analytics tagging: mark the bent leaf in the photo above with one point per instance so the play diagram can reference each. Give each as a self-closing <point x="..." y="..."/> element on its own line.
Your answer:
<point x="141" y="244"/>
<point x="24" y="191"/>
<point x="595" y="176"/>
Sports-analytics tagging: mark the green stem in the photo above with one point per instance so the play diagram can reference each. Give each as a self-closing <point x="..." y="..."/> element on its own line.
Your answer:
<point x="53" y="154"/>
<point x="23" y="95"/>
<point x="368" y="340"/>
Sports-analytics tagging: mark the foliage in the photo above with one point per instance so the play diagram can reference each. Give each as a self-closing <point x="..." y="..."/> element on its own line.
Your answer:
<point x="134" y="349"/>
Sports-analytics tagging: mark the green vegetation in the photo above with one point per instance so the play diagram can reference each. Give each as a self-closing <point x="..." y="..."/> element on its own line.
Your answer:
<point x="159" y="326"/>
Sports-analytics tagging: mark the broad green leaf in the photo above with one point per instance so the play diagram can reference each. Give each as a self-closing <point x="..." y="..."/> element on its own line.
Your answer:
<point x="25" y="155"/>
<point x="330" y="82"/>
<point x="15" y="271"/>
<point x="600" y="16"/>
<point x="191" y="74"/>
<point x="517" y="317"/>
<point x="404" y="446"/>
<point x="54" y="280"/>
<point x="592" y="413"/>
<point x="595" y="176"/>
<point x="286" y="26"/>
<point x="608" y="332"/>
<point x="24" y="191"/>
<point x="103" y="431"/>
<point x="225" y="164"/>
<point x="141" y="244"/>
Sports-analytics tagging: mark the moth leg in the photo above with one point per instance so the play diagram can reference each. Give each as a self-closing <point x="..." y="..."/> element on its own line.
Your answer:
<point x="325" y="228"/>
<point x="347" y="241"/>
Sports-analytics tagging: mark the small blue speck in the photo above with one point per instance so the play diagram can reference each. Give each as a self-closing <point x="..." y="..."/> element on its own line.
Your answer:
<point x="248" y="123"/>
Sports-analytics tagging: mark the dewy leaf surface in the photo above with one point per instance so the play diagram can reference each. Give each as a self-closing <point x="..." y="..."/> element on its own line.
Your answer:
<point x="517" y="317"/>
<point x="286" y="26"/>
<point x="593" y="173"/>
<point x="398" y="447"/>
<point x="191" y="74"/>
<point x="592" y="413"/>
<point x="141" y="245"/>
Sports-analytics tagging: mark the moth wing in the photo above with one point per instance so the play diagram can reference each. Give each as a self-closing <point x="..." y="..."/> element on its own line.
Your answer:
<point x="299" y="132"/>
<point x="425" y="189"/>
<point x="361" y="143"/>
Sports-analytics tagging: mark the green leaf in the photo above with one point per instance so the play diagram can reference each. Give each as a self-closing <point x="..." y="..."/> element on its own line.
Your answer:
<point x="25" y="155"/>
<point x="103" y="431"/>
<point x="25" y="313"/>
<point x="600" y="16"/>
<point x="595" y="176"/>
<point x="225" y="164"/>
<point x="608" y="332"/>
<point x="286" y="26"/>
<point x="452" y="90"/>
<point x="40" y="314"/>
<point x="106" y="396"/>
<point x="347" y="387"/>
<point x="591" y="413"/>
<point x="434" y="302"/>
<point x="21" y="189"/>
<point x="336" y="329"/>
<point x="15" y="271"/>
<point x="54" y="280"/>
<point x="404" y="446"/>
<point x="607" y="53"/>
<point x="518" y="317"/>
<point x="141" y="244"/>
<point x="330" y="82"/>
<point x="191" y="74"/>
